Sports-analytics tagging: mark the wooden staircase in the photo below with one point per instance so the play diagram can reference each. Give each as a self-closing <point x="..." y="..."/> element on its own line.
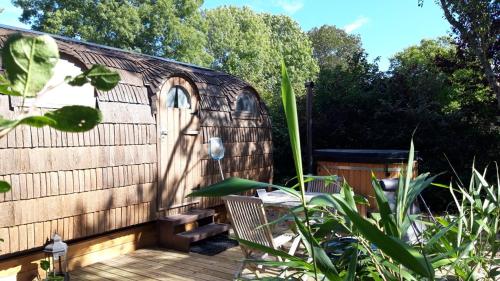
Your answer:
<point x="179" y="231"/>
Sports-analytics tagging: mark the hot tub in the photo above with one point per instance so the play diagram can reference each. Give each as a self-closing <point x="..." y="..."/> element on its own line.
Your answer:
<point x="356" y="165"/>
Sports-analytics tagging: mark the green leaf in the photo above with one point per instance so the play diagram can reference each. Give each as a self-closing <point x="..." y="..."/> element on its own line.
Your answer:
<point x="8" y="124"/>
<point x="5" y="87"/>
<point x="230" y="186"/>
<point x="290" y="108"/>
<point x="290" y="264"/>
<point x="74" y="118"/>
<point x="351" y="270"/>
<point x="99" y="76"/>
<point x="437" y="237"/>
<point x="393" y="247"/>
<point x="45" y="265"/>
<point x="386" y="216"/>
<point x="38" y="121"/>
<point x="4" y="186"/>
<point x="323" y="262"/>
<point x="29" y="62"/>
<point x="328" y="226"/>
<point x="269" y="250"/>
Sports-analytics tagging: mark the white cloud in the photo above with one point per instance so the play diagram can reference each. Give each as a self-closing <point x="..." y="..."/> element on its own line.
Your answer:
<point x="359" y="22"/>
<point x="290" y="6"/>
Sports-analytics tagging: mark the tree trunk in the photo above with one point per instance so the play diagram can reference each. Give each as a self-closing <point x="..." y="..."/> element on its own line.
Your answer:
<point x="478" y="50"/>
<point x="488" y="72"/>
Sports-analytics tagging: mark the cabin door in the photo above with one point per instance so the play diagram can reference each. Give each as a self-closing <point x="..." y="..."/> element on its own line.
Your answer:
<point x="179" y="143"/>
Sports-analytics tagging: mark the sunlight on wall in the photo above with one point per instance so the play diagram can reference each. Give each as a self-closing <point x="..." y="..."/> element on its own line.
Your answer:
<point x="61" y="93"/>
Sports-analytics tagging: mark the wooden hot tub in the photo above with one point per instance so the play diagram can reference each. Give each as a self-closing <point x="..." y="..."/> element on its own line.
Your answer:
<point x="356" y="165"/>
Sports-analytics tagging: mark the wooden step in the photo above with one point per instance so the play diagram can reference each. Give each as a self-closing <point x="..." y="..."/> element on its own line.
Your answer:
<point x="188" y="217"/>
<point x="182" y="241"/>
<point x="204" y="232"/>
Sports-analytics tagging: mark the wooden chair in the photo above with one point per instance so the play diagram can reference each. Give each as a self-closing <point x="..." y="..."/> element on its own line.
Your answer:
<point x="320" y="185"/>
<point x="249" y="222"/>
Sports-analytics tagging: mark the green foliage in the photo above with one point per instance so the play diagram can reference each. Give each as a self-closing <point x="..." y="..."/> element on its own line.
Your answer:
<point x="29" y="62"/>
<point x="4" y="186"/>
<point x="252" y="45"/>
<point x="318" y="225"/>
<point x="45" y="265"/>
<point x="290" y="106"/>
<point x="74" y="118"/>
<point x="166" y="28"/>
<point x="240" y="43"/>
<point x="229" y="186"/>
<point x="333" y="47"/>
<point x="98" y="76"/>
<point x="430" y="86"/>
<point x="468" y="238"/>
<point x="475" y="25"/>
<point x="291" y="44"/>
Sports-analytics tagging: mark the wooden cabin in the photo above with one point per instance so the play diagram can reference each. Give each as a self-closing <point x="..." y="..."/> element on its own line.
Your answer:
<point x="103" y="190"/>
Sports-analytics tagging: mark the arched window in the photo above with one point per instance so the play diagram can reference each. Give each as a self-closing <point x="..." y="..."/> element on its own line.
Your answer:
<point x="246" y="103"/>
<point x="178" y="97"/>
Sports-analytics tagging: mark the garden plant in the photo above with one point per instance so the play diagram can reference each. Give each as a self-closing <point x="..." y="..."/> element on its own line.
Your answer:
<point x="340" y="244"/>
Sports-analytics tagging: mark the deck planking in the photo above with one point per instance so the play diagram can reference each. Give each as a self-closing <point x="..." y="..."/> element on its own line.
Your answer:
<point x="162" y="264"/>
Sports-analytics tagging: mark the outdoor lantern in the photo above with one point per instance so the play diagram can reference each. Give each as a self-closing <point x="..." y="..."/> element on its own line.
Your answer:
<point x="216" y="151"/>
<point x="55" y="263"/>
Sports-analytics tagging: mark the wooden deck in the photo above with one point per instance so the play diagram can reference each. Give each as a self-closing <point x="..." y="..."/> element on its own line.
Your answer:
<point x="162" y="264"/>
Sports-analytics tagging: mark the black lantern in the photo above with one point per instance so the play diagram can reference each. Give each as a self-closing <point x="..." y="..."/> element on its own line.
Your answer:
<point x="55" y="263"/>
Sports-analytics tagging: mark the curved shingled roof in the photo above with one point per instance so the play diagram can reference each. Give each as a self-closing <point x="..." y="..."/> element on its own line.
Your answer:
<point x="217" y="90"/>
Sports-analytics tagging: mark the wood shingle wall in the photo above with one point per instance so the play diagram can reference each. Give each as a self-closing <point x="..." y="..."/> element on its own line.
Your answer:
<point x="80" y="185"/>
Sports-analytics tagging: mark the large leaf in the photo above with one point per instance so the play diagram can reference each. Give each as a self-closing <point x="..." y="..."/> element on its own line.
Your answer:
<point x="99" y="76"/>
<point x="323" y="262"/>
<point x="38" y="121"/>
<point x="290" y="108"/>
<point x="4" y="186"/>
<point x="269" y="250"/>
<point x="5" y="87"/>
<point x="393" y="247"/>
<point x="230" y="186"/>
<point x="74" y="118"/>
<point x="351" y="269"/>
<point x="386" y="216"/>
<point x="7" y="125"/>
<point x="29" y="62"/>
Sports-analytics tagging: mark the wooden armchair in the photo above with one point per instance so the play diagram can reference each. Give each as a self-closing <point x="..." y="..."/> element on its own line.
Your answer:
<point x="249" y="222"/>
<point x="319" y="185"/>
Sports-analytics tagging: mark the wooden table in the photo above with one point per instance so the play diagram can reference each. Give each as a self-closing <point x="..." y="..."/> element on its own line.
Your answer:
<point x="282" y="199"/>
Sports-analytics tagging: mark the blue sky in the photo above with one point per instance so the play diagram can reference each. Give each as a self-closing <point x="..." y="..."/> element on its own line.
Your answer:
<point x="385" y="26"/>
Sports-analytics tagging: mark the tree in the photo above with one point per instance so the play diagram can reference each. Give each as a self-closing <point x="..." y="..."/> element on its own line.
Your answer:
<point x="334" y="47"/>
<point x="476" y="24"/>
<point x="290" y="43"/>
<point x="166" y="28"/>
<point x="251" y="46"/>
<point x="240" y="43"/>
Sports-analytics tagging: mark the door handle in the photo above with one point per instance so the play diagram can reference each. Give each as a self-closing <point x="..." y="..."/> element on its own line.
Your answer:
<point x="163" y="133"/>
